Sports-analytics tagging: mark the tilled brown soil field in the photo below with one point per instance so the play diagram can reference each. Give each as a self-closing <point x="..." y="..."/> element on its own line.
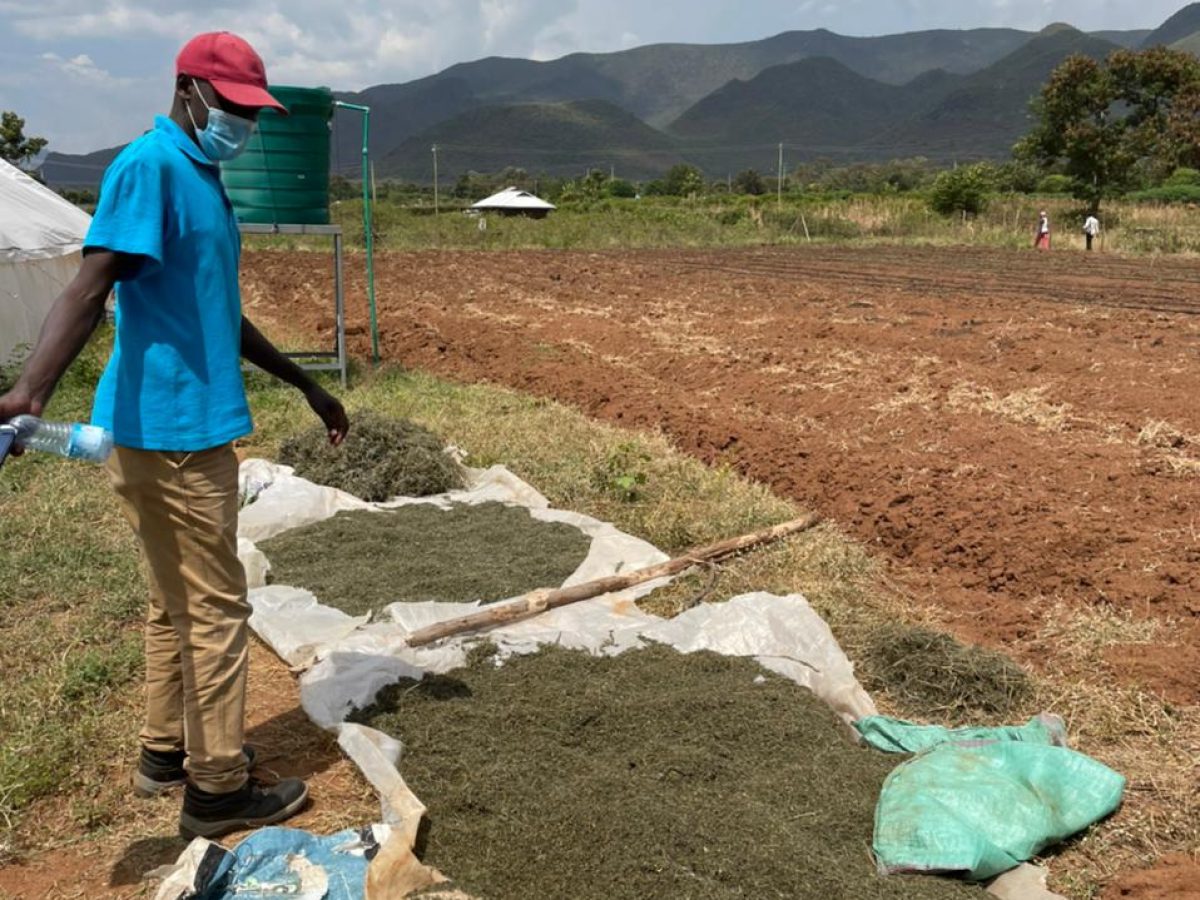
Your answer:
<point x="1018" y="435"/>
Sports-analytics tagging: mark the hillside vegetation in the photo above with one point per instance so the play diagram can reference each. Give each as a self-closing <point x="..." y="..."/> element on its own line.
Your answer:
<point x="943" y="94"/>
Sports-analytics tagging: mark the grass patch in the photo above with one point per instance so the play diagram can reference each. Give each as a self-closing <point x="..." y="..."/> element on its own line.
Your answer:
<point x="71" y="596"/>
<point x="650" y="774"/>
<point x="932" y="671"/>
<point x="731" y="221"/>
<point x="678" y="502"/>
<point x="361" y="561"/>
<point x="381" y="458"/>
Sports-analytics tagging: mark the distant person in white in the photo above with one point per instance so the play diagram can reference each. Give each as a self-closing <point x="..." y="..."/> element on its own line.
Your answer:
<point x="1041" y="240"/>
<point x="1091" y="228"/>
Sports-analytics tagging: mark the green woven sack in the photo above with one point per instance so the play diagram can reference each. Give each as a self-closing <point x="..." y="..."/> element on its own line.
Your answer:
<point x="898" y="736"/>
<point x="981" y="809"/>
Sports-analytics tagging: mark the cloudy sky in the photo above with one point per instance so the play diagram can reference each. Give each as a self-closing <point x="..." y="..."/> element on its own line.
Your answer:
<point x="91" y="73"/>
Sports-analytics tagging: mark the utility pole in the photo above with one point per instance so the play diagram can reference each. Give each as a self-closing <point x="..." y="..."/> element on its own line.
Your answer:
<point x="779" y="185"/>
<point x="435" y="181"/>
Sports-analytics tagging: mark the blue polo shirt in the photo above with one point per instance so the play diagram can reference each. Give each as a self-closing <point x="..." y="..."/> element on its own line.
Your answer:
<point x="174" y="381"/>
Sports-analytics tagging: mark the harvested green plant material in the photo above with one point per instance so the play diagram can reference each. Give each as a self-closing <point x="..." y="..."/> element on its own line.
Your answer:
<point x="361" y="561"/>
<point x="931" y="672"/>
<point x="648" y="774"/>
<point x="380" y="459"/>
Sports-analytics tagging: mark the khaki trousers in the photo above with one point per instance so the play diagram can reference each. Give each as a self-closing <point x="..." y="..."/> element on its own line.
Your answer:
<point x="183" y="508"/>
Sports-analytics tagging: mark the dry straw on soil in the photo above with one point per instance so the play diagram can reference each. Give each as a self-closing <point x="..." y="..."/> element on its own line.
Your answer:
<point x="930" y="670"/>
<point x="649" y="774"/>
<point x="362" y="561"/>
<point x="380" y="459"/>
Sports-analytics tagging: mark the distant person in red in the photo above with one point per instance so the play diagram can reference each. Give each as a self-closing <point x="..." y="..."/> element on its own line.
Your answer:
<point x="1041" y="240"/>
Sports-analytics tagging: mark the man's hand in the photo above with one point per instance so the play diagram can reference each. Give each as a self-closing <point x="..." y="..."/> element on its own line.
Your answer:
<point x="262" y="353"/>
<point x="330" y="411"/>
<point x="17" y="402"/>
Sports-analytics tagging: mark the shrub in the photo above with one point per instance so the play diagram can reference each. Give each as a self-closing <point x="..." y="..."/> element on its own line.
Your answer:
<point x="962" y="190"/>
<point x="1183" y="178"/>
<point x="619" y="187"/>
<point x="683" y="181"/>
<point x="749" y="182"/>
<point x="1016" y="177"/>
<point x="1169" y="193"/>
<point x="1055" y="184"/>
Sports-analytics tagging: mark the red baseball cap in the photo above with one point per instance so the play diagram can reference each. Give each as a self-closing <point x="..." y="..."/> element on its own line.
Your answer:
<point x="230" y="65"/>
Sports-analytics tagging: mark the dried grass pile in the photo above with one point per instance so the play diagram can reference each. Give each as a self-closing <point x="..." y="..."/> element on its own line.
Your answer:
<point x="648" y="774"/>
<point x="361" y="561"/>
<point x="932" y="672"/>
<point x="380" y="459"/>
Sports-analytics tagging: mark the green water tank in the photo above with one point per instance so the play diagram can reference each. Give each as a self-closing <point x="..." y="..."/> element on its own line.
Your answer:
<point x="282" y="178"/>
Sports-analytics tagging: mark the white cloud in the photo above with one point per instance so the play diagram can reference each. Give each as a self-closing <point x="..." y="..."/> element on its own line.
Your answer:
<point x="359" y="41"/>
<point x="81" y="68"/>
<point x="57" y="21"/>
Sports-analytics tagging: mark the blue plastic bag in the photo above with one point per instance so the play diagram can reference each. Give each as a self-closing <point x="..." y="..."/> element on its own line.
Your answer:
<point x="275" y="862"/>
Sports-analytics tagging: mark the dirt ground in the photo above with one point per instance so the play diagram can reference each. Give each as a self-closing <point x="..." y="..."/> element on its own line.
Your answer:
<point x="1175" y="878"/>
<point x="115" y="865"/>
<point x="1016" y="434"/>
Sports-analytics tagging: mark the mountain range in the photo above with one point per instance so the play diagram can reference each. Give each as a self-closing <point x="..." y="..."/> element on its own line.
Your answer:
<point x="947" y="95"/>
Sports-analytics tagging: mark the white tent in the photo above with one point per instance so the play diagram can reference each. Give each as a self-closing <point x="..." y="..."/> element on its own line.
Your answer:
<point x="41" y="235"/>
<point x="511" y="201"/>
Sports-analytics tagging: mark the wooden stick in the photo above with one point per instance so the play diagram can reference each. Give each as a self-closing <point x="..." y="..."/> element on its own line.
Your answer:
<point x="542" y="600"/>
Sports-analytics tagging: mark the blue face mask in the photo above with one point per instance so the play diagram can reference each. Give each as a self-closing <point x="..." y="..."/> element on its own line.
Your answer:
<point x="226" y="135"/>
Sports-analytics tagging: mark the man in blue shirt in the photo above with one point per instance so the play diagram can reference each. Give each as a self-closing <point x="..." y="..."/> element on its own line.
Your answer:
<point x="164" y="235"/>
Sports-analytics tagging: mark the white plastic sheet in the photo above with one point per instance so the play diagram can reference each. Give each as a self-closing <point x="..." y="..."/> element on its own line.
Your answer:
<point x="349" y="660"/>
<point x="353" y="658"/>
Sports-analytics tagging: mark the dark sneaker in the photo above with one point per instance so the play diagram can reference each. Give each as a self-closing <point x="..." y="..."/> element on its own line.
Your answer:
<point x="251" y="806"/>
<point x="158" y="773"/>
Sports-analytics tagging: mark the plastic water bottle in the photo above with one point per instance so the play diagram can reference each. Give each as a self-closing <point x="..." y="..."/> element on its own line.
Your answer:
<point x="72" y="440"/>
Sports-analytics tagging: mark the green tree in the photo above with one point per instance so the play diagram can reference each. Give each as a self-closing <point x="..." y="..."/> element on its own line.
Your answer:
<point x="15" y="147"/>
<point x="1106" y="123"/>
<point x="1017" y="177"/>
<point x="749" y="182"/>
<point x="1183" y="128"/>
<point x="962" y="190"/>
<point x="1152" y="85"/>
<point x="592" y="186"/>
<point x="1077" y="127"/>
<point x="684" y="180"/>
<point x="619" y="187"/>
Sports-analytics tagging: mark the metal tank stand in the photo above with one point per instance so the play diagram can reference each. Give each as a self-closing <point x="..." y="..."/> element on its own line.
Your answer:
<point x="318" y="360"/>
